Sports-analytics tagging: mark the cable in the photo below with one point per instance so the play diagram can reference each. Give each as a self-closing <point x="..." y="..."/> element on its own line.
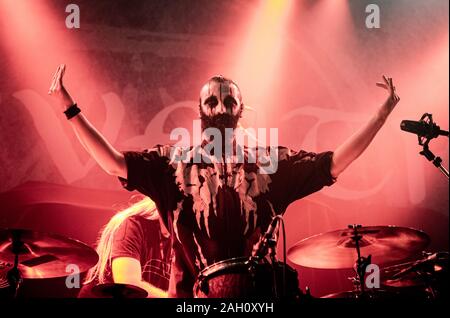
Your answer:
<point x="284" y="256"/>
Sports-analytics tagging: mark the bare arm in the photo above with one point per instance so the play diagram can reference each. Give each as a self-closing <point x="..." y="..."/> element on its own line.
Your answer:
<point x="109" y="159"/>
<point x="127" y="270"/>
<point x="353" y="147"/>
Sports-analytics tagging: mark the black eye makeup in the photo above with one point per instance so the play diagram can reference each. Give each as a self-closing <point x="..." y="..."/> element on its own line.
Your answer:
<point x="211" y="101"/>
<point x="229" y="101"/>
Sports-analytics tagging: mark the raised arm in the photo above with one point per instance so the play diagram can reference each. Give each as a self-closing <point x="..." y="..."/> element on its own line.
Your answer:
<point x="109" y="159"/>
<point x="353" y="147"/>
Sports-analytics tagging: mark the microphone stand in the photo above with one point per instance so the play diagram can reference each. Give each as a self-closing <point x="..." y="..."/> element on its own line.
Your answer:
<point x="272" y="244"/>
<point x="426" y="152"/>
<point x="437" y="161"/>
<point x="266" y="246"/>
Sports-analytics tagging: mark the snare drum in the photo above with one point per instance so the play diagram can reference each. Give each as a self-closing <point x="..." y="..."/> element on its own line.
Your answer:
<point x="238" y="277"/>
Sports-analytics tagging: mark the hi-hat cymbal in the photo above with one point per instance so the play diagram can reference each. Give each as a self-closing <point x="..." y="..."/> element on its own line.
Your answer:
<point x="43" y="255"/>
<point x="113" y="290"/>
<point x="337" y="249"/>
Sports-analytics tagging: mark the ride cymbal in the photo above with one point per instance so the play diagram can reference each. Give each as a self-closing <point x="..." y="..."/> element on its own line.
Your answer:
<point x="337" y="249"/>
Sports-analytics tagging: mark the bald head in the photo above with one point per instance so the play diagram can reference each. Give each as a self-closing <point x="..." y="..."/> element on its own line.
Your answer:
<point x="220" y="96"/>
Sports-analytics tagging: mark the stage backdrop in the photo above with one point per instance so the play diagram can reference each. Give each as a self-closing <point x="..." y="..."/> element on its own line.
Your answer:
<point x="308" y="68"/>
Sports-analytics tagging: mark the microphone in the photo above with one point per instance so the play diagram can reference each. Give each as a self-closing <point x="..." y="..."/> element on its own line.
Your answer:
<point x="426" y="129"/>
<point x="422" y="128"/>
<point x="260" y="249"/>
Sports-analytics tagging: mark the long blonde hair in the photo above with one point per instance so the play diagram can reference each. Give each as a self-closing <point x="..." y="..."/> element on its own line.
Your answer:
<point x="144" y="207"/>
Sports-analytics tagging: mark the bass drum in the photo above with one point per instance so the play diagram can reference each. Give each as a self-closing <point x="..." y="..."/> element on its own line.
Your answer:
<point x="238" y="277"/>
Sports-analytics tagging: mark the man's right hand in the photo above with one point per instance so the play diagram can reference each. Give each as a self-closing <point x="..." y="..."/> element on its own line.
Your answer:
<point x="111" y="160"/>
<point x="58" y="90"/>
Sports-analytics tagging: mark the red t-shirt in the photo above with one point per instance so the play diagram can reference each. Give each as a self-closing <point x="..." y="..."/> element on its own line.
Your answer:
<point x="141" y="239"/>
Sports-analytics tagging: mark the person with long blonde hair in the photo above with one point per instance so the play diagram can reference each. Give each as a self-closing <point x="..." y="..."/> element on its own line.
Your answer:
<point x="133" y="248"/>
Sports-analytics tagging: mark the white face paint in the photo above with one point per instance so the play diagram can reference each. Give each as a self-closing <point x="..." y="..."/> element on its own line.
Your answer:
<point x="220" y="98"/>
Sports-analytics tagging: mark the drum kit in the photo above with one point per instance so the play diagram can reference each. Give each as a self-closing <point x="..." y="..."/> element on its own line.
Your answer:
<point x="31" y="255"/>
<point x="356" y="247"/>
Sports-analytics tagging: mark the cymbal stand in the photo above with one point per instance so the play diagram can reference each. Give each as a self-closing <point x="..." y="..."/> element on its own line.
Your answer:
<point x="14" y="275"/>
<point x="361" y="263"/>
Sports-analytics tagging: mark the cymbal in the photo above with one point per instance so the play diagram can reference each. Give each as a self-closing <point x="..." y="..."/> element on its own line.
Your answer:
<point x="44" y="255"/>
<point x="112" y="290"/>
<point x="337" y="249"/>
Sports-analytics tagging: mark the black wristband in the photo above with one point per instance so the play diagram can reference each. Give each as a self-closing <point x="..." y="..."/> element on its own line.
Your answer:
<point x="72" y="111"/>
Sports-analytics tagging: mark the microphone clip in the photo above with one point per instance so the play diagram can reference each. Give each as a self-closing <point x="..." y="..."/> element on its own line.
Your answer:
<point x="266" y="243"/>
<point x="424" y="141"/>
<point x="428" y="119"/>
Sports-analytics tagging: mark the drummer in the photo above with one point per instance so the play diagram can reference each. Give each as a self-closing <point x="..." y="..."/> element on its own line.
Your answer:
<point x="134" y="249"/>
<point x="216" y="210"/>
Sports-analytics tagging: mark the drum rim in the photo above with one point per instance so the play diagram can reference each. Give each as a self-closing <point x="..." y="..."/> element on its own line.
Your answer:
<point x="226" y="263"/>
<point x="217" y="268"/>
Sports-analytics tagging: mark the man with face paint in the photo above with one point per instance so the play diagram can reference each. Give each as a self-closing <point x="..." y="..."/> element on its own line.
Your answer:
<point x="220" y="104"/>
<point x="216" y="210"/>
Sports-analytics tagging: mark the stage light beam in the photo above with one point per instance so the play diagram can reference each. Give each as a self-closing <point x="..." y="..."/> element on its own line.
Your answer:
<point x="261" y="49"/>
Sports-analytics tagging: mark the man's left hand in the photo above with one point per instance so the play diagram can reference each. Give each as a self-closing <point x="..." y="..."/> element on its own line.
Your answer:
<point x="393" y="98"/>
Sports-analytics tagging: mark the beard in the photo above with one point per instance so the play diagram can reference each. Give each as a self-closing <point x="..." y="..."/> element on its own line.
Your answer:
<point x="220" y="121"/>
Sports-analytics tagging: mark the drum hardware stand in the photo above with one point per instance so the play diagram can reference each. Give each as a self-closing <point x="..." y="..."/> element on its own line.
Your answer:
<point x="14" y="275"/>
<point x="253" y="261"/>
<point x="426" y="277"/>
<point x="272" y="244"/>
<point x="361" y="263"/>
<point x="431" y="294"/>
<point x="266" y="246"/>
